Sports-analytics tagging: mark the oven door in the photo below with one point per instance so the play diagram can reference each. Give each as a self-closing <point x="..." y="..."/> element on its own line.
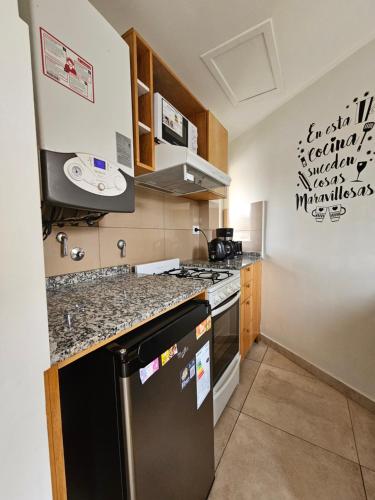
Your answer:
<point x="226" y="334"/>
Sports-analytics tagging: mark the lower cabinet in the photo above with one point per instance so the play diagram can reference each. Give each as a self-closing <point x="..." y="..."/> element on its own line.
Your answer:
<point x="250" y="310"/>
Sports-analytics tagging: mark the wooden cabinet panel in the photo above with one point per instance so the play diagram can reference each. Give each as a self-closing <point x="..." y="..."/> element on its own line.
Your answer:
<point x="143" y="123"/>
<point x="217" y="143"/>
<point x="246" y="337"/>
<point x="250" y="310"/>
<point x="246" y="290"/>
<point x="247" y="274"/>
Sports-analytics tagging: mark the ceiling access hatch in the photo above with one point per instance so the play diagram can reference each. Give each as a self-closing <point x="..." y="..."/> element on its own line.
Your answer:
<point x="247" y="65"/>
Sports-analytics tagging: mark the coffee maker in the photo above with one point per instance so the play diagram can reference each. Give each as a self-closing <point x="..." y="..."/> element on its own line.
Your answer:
<point x="223" y="247"/>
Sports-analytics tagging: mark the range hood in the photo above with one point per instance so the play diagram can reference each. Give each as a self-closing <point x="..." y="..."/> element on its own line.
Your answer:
<point x="180" y="171"/>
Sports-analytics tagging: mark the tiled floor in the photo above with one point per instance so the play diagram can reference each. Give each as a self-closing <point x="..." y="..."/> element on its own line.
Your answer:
<point x="285" y="435"/>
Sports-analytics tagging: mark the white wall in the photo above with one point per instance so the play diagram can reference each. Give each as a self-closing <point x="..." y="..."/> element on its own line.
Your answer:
<point x="24" y="350"/>
<point x="319" y="278"/>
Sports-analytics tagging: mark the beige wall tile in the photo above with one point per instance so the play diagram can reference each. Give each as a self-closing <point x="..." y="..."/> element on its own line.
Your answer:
<point x="149" y="212"/>
<point x="142" y="245"/>
<point x="210" y="214"/>
<point x="84" y="237"/>
<point x="203" y="250"/>
<point x="143" y="232"/>
<point x="181" y="243"/>
<point x="181" y="213"/>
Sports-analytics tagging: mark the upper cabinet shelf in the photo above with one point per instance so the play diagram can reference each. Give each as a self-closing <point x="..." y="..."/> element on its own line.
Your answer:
<point x="150" y="74"/>
<point x="142" y="88"/>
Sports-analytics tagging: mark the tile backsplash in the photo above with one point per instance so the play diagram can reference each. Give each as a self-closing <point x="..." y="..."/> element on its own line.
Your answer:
<point x="160" y="228"/>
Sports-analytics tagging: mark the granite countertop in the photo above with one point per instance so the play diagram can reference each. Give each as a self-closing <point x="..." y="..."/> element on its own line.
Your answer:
<point x="236" y="263"/>
<point x="104" y="306"/>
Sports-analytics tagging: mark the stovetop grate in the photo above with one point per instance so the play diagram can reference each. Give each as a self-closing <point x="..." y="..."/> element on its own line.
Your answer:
<point x="199" y="274"/>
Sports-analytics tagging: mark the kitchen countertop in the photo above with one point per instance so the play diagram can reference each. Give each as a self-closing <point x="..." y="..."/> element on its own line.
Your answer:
<point x="104" y="307"/>
<point x="236" y="263"/>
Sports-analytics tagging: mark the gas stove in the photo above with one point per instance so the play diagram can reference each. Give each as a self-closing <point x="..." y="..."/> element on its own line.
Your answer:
<point x="221" y="284"/>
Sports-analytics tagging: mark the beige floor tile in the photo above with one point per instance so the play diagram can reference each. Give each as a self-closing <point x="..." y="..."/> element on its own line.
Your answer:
<point x="264" y="463"/>
<point x="369" y="480"/>
<point x="364" y="431"/>
<point x="223" y="430"/>
<point x="257" y="351"/>
<point x="274" y="358"/>
<point x="303" y="406"/>
<point x="248" y="371"/>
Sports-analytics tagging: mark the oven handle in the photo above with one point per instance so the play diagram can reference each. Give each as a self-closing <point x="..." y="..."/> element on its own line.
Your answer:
<point x="226" y="306"/>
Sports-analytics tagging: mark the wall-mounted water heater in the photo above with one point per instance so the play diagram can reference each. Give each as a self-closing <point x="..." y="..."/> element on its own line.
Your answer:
<point x="81" y="72"/>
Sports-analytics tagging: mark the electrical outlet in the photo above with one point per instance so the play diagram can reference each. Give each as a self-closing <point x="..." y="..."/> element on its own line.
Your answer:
<point x="195" y="229"/>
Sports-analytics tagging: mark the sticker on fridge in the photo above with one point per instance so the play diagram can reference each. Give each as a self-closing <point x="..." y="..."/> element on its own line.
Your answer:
<point x="187" y="374"/>
<point x="168" y="354"/>
<point x="203" y="327"/>
<point x="203" y="376"/>
<point x="146" y="372"/>
<point x="64" y="66"/>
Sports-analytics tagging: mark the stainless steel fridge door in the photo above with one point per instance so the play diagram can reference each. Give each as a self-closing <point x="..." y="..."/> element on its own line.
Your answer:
<point x="169" y="439"/>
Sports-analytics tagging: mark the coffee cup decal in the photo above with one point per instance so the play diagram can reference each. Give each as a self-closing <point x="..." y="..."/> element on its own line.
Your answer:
<point x="319" y="213"/>
<point x="335" y="212"/>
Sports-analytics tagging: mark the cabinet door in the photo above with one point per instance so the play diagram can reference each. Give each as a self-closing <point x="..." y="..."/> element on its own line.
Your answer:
<point x="217" y="151"/>
<point x="246" y="327"/>
<point x="256" y="298"/>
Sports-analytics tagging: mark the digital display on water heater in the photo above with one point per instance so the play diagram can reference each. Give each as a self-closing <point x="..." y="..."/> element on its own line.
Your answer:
<point x="99" y="164"/>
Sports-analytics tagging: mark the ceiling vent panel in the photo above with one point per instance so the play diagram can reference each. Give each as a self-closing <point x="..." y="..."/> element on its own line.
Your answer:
<point x="247" y="65"/>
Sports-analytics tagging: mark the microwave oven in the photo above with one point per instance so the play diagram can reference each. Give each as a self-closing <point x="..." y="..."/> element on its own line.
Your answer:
<point x="171" y="126"/>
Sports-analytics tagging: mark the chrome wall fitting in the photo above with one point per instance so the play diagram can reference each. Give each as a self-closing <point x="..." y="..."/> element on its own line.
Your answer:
<point x="121" y="244"/>
<point x="62" y="238"/>
<point x="77" y="253"/>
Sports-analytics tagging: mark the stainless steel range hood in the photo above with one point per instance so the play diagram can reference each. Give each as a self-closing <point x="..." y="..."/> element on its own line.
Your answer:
<point x="180" y="171"/>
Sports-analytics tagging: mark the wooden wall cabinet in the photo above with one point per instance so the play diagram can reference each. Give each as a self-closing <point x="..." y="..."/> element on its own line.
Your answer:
<point x="150" y="74"/>
<point x="217" y="143"/>
<point x="141" y="62"/>
<point x="250" y="308"/>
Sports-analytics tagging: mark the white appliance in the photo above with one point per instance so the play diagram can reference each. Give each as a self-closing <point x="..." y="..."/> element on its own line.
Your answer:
<point x="81" y="72"/>
<point x="171" y="126"/>
<point x="180" y="171"/>
<point x="223" y="291"/>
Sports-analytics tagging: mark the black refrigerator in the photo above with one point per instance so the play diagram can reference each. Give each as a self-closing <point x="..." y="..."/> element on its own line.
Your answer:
<point x="138" y="415"/>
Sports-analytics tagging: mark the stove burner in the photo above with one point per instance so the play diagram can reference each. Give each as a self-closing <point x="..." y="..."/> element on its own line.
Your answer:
<point x="199" y="274"/>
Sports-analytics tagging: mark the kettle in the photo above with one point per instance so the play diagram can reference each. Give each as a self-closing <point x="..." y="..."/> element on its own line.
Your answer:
<point x="216" y="249"/>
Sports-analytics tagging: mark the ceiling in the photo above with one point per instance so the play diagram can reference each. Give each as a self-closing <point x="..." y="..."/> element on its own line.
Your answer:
<point x="311" y="38"/>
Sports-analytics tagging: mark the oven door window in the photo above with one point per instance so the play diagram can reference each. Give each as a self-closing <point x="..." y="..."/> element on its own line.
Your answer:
<point x="226" y="330"/>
